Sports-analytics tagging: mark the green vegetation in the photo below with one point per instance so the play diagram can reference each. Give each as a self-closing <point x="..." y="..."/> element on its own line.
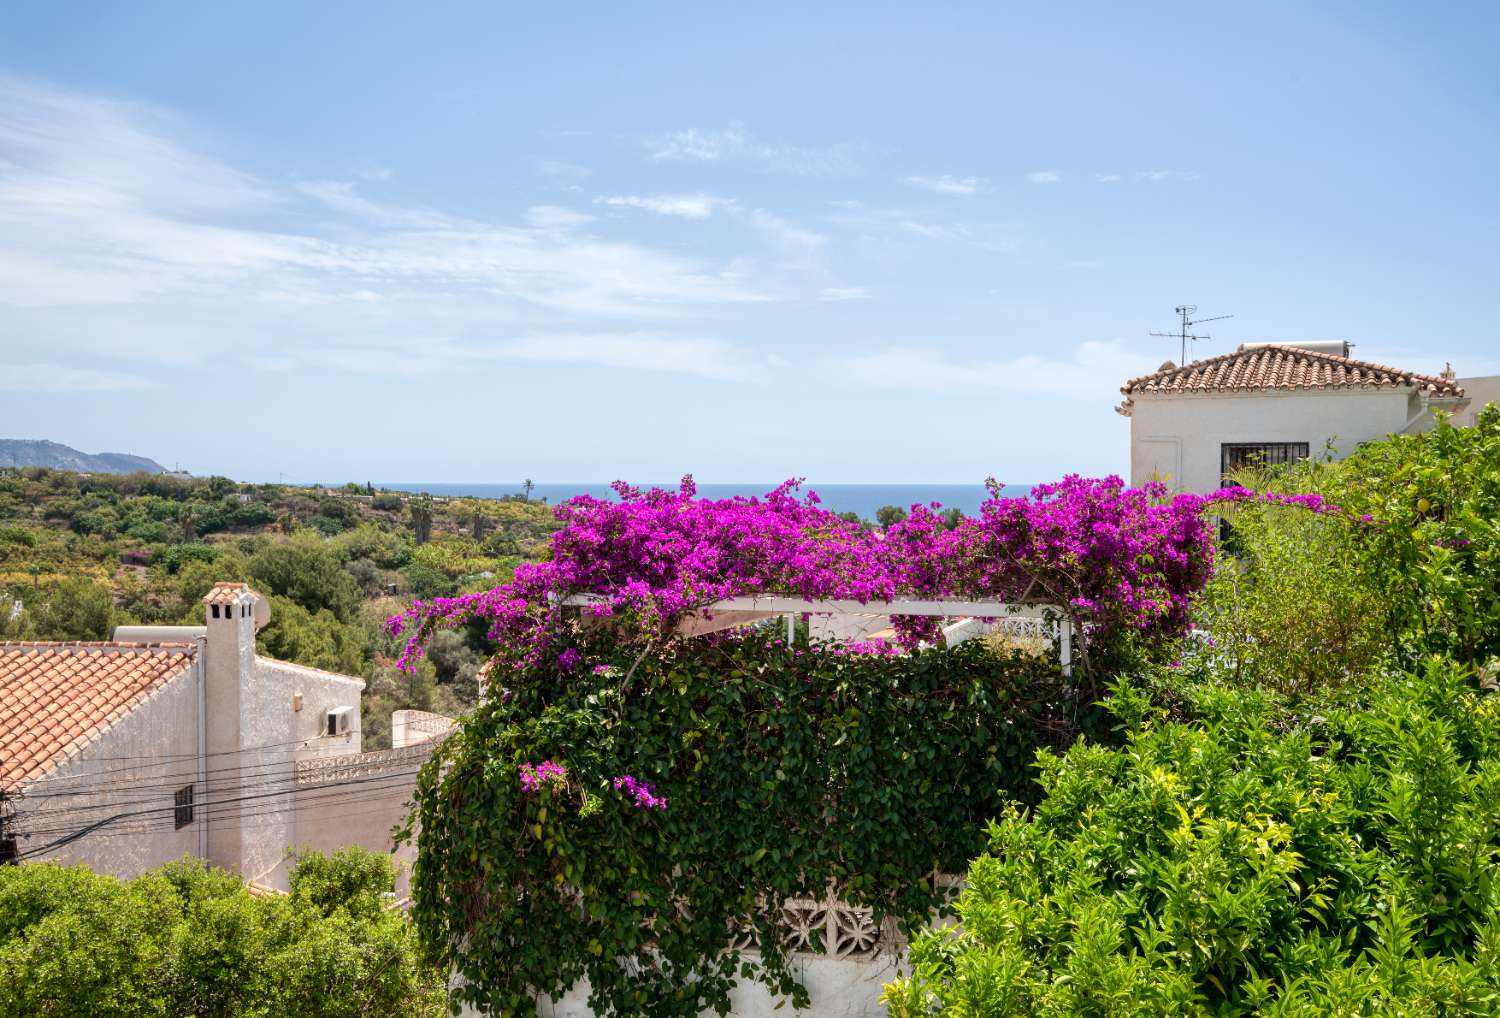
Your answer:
<point x="1304" y="819"/>
<point x="782" y="771"/>
<point x="82" y="554"/>
<point x="186" y="940"/>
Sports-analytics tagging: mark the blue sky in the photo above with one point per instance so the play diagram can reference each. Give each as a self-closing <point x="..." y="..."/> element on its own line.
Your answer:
<point x="921" y="243"/>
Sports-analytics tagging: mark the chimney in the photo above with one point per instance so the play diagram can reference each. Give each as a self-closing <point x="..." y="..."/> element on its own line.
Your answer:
<point x="232" y="614"/>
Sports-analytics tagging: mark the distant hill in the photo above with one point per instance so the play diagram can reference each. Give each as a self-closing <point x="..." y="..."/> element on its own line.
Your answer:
<point x="23" y="452"/>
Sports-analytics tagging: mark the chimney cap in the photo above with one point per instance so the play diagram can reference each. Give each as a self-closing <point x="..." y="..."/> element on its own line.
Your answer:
<point x="228" y="593"/>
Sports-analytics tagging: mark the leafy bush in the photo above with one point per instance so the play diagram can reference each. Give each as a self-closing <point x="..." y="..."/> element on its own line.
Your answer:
<point x="318" y="639"/>
<point x="1433" y="501"/>
<point x="305" y="571"/>
<point x="1334" y="861"/>
<point x="1292" y="604"/>
<point x="781" y="772"/>
<point x="185" y="940"/>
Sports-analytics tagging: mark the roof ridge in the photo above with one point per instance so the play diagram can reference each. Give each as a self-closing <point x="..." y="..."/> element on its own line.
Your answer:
<point x="172" y="646"/>
<point x="1283" y="366"/>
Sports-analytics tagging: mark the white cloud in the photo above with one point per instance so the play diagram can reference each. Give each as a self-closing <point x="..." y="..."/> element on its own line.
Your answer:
<point x="105" y="203"/>
<point x="62" y="378"/>
<point x="734" y="143"/>
<point x="375" y="174"/>
<point x="838" y="293"/>
<point x="689" y="206"/>
<point x="701" y="357"/>
<point x="560" y="169"/>
<point x="947" y="184"/>
<point x="554" y="217"/>
<point x="1157" y="176"/>
<point x="1107" y="178"/>
<point x="1093" y="371"/>
<point x="1044" y="177"/>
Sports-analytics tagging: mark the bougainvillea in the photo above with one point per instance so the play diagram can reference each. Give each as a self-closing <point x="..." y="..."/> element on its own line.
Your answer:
<point x="1116" y="560"/>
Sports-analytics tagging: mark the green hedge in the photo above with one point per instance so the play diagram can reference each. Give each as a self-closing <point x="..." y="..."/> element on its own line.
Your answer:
<point x="783" y="773"/>
<point x="1332" y="860"/>
<point x="185" y="940"/>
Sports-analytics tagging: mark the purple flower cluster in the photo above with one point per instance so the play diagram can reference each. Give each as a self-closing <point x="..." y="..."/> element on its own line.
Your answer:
<point x="1115" y="558"/>
<point x="642" y="793"/>
<point x="553" y="776"/>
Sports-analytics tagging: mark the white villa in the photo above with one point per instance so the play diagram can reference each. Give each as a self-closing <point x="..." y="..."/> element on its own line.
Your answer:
<point x="181" y="740"/>
<point x="1276" y="403"/>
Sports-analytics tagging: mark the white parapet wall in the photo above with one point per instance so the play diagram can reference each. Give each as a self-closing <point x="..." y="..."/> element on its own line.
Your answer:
<point x="838" y="954"/>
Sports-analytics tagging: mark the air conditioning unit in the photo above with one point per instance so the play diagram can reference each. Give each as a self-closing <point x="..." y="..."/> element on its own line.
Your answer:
<point x="340" y="720"/>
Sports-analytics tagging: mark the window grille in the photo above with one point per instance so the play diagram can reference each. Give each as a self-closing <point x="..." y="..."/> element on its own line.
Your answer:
<point x="183" y="800"/>
<point x="1234" y="455"/>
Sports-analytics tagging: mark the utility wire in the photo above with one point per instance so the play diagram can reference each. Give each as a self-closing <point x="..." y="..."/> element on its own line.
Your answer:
<point x="151" y="811"/>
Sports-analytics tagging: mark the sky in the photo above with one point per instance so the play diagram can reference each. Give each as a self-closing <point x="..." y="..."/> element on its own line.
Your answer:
<point x="903" y="243"/>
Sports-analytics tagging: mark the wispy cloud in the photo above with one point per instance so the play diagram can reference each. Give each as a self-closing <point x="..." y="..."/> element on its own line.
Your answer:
<point x="701" y="357"/>
<point x="841" y="293"/>
<point x="555" y="217"/>
<point x="736" y="144"/>
<point x="1092" y="371"/>
<point x="1107" y="178"/>
<point x="561" y="169"/>
<point x="65" y="378"/>
<point x="688" y="206"/>
<point x="375" y="174"/>
<point x="1157" y="176"/>
<point x="108" y="203"/>
<point x="947" y="184"/>
<point x="1044" y="176"/>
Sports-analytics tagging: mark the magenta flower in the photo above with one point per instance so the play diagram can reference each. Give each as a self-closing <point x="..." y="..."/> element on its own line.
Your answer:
<point x="642" y="794"/>
<point x="549" y="775"/>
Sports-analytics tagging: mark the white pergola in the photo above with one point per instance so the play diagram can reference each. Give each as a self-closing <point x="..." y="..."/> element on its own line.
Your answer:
<point x="740" y="611"/>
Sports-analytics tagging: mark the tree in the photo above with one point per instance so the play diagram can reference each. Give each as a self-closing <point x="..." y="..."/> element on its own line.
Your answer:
<point x="889" y="515"/>
<point x="526" y="487"/>
<point x="187" y="940"/>
<point x="420" y="510"/>
<point x="306" y="571"/>
<point x="75" y="609"/>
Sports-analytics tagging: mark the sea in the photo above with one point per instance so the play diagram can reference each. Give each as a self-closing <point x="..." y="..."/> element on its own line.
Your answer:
<point x="864" y="499"/>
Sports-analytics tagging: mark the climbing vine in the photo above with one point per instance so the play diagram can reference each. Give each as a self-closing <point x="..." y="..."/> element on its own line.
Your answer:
<point x="618" y="821"/>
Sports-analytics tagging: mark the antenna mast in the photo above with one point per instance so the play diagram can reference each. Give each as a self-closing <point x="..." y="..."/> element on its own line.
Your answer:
<point x="1185" y="334"/>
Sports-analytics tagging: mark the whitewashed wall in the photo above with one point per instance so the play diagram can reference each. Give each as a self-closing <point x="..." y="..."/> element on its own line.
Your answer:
<point x="1178" y="436"/>
<point x="837" y="988"/>
<point x="269" y="718"/>
<point x="115" y="775"/>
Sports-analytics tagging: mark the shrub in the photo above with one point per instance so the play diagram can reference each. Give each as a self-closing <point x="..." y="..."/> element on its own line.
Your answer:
<point x="1337" y="860"/>
<point x="1433" y="502"/>
<point x="187" y="940"/>
<point x="305" y="571"/>
<point x="781" y="772"/>
<point x="1293" y="605"/>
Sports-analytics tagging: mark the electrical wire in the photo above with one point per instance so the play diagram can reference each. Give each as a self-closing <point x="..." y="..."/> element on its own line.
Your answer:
<point x="82" y="832"/>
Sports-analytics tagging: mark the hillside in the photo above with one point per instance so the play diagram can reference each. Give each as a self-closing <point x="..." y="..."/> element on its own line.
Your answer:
<point x="23" y="452"/>
<point x="80" y="555"/>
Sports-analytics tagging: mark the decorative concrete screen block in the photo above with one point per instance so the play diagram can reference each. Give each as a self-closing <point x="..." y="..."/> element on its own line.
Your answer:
<point x="838" y="952"/>
<point x="319" y="769"/>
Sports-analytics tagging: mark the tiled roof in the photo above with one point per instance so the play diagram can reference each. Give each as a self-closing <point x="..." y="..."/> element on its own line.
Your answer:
<point x="225" y="592"/>
<point x="55" y="697"/>
<point x="1260" y="368"/>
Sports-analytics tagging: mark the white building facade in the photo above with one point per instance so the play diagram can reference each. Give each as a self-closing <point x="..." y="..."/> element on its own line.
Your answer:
<point x="181" y="740"/>
<point x="1270" y="404"/>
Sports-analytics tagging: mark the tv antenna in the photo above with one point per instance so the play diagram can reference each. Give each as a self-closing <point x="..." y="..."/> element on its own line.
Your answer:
<point x="1185" y="329"/>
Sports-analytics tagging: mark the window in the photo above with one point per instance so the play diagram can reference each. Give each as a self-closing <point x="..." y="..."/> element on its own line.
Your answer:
<point x="183" y="800"/>
<point x="1234" y="455"/>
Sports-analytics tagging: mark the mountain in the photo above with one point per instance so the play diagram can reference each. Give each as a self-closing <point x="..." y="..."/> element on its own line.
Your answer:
<point x="21" y="452"/>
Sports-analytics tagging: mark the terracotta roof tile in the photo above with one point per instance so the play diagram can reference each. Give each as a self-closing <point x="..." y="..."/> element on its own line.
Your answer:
<point x="55" y="697"/>
<point x="1263" y="368"/>
<point x="225" y="592"/>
